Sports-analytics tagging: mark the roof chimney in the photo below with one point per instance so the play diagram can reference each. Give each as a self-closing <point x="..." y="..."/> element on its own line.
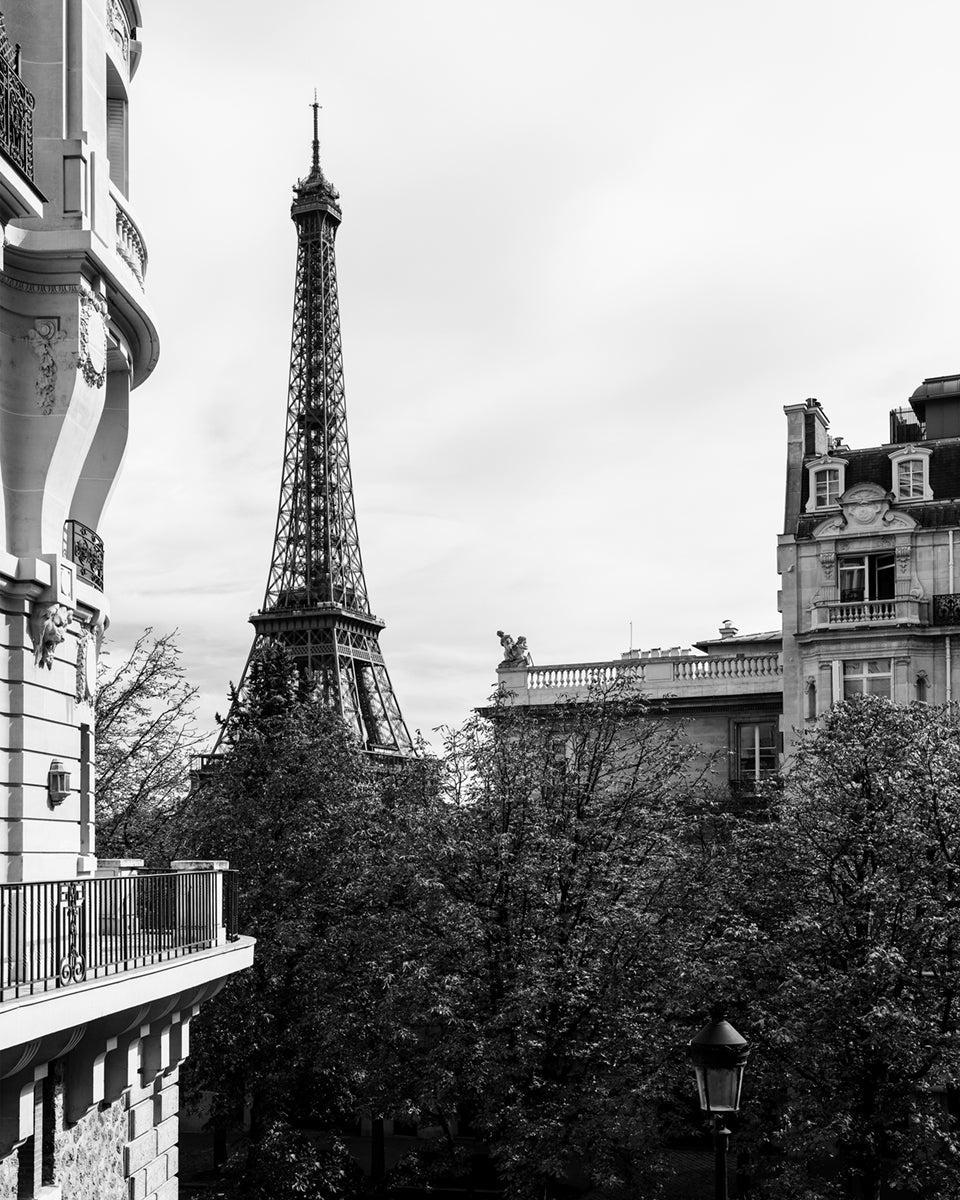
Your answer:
<point x="728" y="629"/>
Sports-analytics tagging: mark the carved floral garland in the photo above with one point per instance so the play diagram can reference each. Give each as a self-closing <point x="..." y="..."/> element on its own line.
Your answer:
<point x="43" y="337"/>
<point x="92" y="358"/>
<point x="119" y="29"/>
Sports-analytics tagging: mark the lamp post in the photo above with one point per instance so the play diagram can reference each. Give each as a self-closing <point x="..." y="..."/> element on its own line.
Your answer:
<point x="719" y="1055"/>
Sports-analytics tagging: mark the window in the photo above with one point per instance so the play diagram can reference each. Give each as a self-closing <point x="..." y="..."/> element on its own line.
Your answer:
<point x="867" y="676"/>
<point x="867" y="577"/>
<point x="911" y="473"/>
<point x="826" y="487"/>
<point x="758" y="750"/>
<point x="910" y="479"/>
<point x="826" y="482"/>
<point x="118" y="152"/>
<point x="920" y="687"/>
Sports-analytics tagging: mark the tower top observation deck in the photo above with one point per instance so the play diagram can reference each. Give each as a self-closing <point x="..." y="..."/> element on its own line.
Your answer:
<point x="315" y="192"/>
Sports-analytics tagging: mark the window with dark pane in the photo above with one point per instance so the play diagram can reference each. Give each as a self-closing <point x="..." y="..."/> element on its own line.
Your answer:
<point x="867" y="577"/>
<point x="757" y="750"/>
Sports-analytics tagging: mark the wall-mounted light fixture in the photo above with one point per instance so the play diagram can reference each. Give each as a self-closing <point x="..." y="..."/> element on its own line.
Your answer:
<point x="58" y="783"/>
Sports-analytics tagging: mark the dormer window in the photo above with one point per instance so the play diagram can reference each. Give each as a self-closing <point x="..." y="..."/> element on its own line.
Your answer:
<point x="911" y="474"/>
<point x="826" y="482"/>
<point x="827" y="487"/>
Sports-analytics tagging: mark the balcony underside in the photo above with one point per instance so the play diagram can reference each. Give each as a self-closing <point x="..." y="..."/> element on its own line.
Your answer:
<point x="39" y="1016"/>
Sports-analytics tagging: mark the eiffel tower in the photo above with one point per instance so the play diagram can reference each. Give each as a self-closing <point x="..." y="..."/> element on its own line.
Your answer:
<point x="316" y="599"/>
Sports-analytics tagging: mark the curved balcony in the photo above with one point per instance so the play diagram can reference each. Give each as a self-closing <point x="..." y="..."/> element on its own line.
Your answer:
<point x="130" y="244"/>
<point x="84" y="548"/>
<point x="17" y="103"/>
<point x="66" y="932"/>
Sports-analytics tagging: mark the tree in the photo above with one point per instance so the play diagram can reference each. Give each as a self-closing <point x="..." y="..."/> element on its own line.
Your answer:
<point x="145" y="733"/>
<point x="293" y="807"/>
<point x="839" y="936"/>
<point x="565" y="857"/>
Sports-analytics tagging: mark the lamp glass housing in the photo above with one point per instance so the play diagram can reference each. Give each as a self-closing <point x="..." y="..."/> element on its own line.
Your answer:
<point x="58" y="783"/>
<point x="719" y="1088"/>
<point x="718" y="1055"/>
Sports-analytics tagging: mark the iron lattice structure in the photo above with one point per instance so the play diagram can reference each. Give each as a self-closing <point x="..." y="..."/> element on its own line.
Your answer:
<point x="316" y="599"/>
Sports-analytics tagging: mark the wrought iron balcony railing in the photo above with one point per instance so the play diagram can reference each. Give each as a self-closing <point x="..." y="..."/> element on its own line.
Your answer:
<point x="85" y="548"/>
<point x="60" y="933"/>
<point x="17" y="103"/>
<point x="946" y="609"/>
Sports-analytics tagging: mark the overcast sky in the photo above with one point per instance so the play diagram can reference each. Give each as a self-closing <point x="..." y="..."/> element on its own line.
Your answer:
<point x="588" y="253"/>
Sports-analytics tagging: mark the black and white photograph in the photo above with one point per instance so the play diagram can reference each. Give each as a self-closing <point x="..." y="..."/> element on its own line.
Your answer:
<point x="480" y="594"/>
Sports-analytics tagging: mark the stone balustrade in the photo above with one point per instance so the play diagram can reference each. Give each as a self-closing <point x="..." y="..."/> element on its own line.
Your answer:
<point x="652" y="675"/>
<point x="849" y="613"/>
<point x="130" y="243"/>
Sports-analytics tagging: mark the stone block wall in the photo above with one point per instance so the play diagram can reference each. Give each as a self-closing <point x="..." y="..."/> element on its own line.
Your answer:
<point x="151" y="1156"/>
<point x="121" y="1151"/>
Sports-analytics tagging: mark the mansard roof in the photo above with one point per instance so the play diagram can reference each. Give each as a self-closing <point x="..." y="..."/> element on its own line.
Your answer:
<point x="872" y="465"/>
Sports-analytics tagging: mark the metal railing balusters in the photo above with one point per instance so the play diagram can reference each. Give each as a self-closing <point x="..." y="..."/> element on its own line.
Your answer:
<point x="55" y="934"/>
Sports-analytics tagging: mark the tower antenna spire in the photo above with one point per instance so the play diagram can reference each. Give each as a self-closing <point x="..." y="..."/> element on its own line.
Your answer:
<point x="316" y="132"/>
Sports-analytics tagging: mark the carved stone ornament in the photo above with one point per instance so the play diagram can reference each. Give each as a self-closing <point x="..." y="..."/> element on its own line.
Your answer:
<point x="92" y="358"/>
<point x="515" y="652"/>
<point x="903" y="560"/>
<point x="48" y="628"/>
<point x="827" y="562"/>
<point x="44" y="337"/>
<point x="42" y="289"/>
<point x="119" y="29"/>
<point x="87" y="646"/>
<point x="866" y="508"/>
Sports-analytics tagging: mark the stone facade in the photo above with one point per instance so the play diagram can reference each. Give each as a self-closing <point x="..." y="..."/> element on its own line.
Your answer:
<point x="97" y="992"/>
<point x="728" y="695"/>
<point x="76" y="336"/>
<point x="868" y="558"/>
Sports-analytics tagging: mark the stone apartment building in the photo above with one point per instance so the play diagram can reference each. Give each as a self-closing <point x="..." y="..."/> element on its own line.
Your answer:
<point x="867" y="557"/>
<point x="869" y="599"/>
<point x="102" y="965"/>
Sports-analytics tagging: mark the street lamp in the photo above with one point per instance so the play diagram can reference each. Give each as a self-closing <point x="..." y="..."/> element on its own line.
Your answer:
<point x="719" y="1055"/>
